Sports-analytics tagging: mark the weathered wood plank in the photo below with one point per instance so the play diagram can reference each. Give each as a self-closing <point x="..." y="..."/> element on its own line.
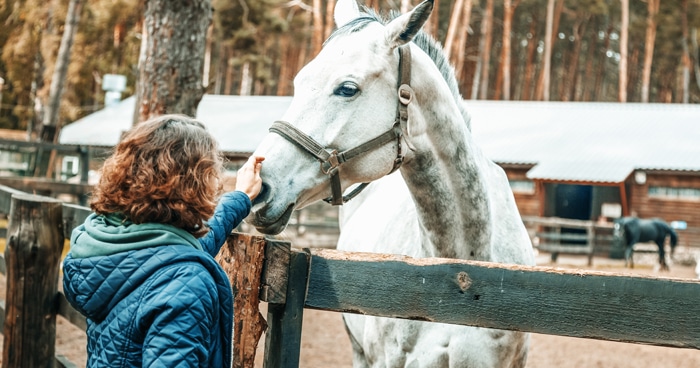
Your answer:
<point x="563" y="222"/>
<point x="568" y="249"/>
<point x="275" y="272"/>
<point x="32" y="255"/>
<point x="283" y="339"/>
<point x="73" y="215"/>
<point x="562" y="236"/>
<point x="6" y="197"/>
<point x="242" y="259"/>
<point x="42" y="185"/>
<point x="535" y="299"/>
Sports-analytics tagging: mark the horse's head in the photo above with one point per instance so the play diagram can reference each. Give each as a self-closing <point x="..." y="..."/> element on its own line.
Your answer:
<point x="343" y="98"/>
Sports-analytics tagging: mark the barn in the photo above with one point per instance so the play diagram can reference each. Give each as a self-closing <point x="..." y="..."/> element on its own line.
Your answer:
<point x="591" y="161"/>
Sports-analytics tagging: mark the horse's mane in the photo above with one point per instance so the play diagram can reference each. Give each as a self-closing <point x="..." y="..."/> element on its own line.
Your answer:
<point x="423" y="40"/>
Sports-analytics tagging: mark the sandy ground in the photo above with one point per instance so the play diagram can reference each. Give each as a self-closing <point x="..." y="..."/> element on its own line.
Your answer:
<point x="325" y="343"/>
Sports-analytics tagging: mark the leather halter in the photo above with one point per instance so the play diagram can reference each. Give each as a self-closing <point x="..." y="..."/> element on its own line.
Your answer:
<point x="330" y="159"/>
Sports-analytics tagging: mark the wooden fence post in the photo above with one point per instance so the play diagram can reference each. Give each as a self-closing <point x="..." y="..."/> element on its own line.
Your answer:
<point x="32" y="255"/>
<point x="283" y="339"/>
<point x="242" y="258"/>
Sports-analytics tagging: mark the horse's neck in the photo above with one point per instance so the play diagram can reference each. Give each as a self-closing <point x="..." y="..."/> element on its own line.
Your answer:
<point x="448" y="185"/>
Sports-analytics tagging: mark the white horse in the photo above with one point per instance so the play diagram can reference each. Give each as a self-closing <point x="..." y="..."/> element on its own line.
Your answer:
<point x="445" y="200"/>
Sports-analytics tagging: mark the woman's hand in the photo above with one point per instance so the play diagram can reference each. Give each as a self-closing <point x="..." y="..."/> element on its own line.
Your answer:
<point x="248" y="177"/>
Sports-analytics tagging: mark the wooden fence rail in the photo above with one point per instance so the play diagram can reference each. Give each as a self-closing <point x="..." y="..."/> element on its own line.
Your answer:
<point x="585" y="304"/>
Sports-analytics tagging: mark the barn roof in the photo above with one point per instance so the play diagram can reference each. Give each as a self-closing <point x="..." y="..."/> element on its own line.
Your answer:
<point x="588" y="141"/>
<point x="565" y="141"/>
<point x="239" y="123"/>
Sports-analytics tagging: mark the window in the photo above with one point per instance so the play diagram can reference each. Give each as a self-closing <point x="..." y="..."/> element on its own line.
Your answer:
<point x="522" y="186"/>
<point x="675" y="193"/>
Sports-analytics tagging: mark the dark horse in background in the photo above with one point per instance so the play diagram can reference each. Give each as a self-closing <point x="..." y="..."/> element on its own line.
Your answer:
<point x="633" y="230"/>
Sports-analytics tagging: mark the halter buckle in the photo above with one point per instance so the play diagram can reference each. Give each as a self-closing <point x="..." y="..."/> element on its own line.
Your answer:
<point x="332" y="162"/>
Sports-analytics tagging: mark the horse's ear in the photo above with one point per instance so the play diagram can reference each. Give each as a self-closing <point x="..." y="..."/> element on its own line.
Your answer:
<point x="401" y="30"/>
<point x="345" y="11"/>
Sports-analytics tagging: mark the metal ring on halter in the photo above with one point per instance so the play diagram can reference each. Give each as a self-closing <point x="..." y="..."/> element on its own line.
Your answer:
<point x="405" y="94"/>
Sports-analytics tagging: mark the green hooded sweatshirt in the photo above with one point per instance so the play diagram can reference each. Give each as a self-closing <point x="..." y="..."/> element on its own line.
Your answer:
<point x="103" y="235"/>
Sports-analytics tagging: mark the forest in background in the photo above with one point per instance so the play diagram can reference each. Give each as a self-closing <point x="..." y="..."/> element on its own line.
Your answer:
<point x="557" y="50"/>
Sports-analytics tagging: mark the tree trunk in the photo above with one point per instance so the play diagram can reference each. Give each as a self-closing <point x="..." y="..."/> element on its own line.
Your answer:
<point x="542" y="91"/>
<point x="170" y="75"/>
<point x="599" y="75"/>
<point x="479" y="61"/>
<point x="433" y="23"/>
<point x="228" y="82"/>
<point x="207" y="57"/>
<point x="283" y="81"/>
<point x="330" y="6"/>
<point x="624" y="31"/>
<point x="459" y="53"/>
<point x="486" y="54"/>
<point x="653" y="9"/>
<point x="685" y="58"/>
<point x="529" y="62"/>
<point x="508" y="10"/>
<point x="571" y="77"/>
<point x="50" y="124"/>
<point x="221" y="68"/>
<point x="246" y="80"/>
<point x="317" y="29"/>
<point x="633" y="71"/>
<point x="452" y="29"/>
<point x="696" y="53"/>
<point x="588" y="73"/>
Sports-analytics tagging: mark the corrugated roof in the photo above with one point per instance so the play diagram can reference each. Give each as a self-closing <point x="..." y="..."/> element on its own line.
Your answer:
<point x="584" y="141"/>
<point x="580" y="171"/>
<point x="239" y="123"/>
<point x="578" y="141"/>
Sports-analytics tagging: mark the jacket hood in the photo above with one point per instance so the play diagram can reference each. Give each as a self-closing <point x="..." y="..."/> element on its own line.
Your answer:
<point x="102" y="235"/>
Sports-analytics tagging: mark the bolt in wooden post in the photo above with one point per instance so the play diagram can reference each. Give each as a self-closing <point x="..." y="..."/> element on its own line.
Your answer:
<point x="33" y="253"/>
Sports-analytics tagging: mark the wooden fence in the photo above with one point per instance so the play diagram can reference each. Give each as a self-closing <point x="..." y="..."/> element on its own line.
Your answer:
<point x="559" y="235"/>
<point x="576" y="303"/>
<point x="533" y="299"/>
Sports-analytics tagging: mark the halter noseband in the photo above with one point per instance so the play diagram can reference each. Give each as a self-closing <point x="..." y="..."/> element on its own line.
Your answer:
<point x="330" y="159"/>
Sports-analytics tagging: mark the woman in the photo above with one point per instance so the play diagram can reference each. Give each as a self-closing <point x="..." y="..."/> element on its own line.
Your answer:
<point x="141" y="267"/>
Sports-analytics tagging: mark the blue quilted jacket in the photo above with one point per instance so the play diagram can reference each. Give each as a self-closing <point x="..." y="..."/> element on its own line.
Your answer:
<point x="160" y="299"/>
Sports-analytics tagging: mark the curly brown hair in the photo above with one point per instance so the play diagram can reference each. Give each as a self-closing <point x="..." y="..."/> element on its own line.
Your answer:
<point x="166" y="170"/>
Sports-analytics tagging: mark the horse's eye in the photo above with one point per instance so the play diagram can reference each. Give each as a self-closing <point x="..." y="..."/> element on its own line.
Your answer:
<point x="347" y="89"/>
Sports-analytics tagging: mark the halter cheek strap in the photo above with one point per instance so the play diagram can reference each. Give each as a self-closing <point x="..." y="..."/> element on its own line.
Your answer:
<point x="330" y="159"/>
